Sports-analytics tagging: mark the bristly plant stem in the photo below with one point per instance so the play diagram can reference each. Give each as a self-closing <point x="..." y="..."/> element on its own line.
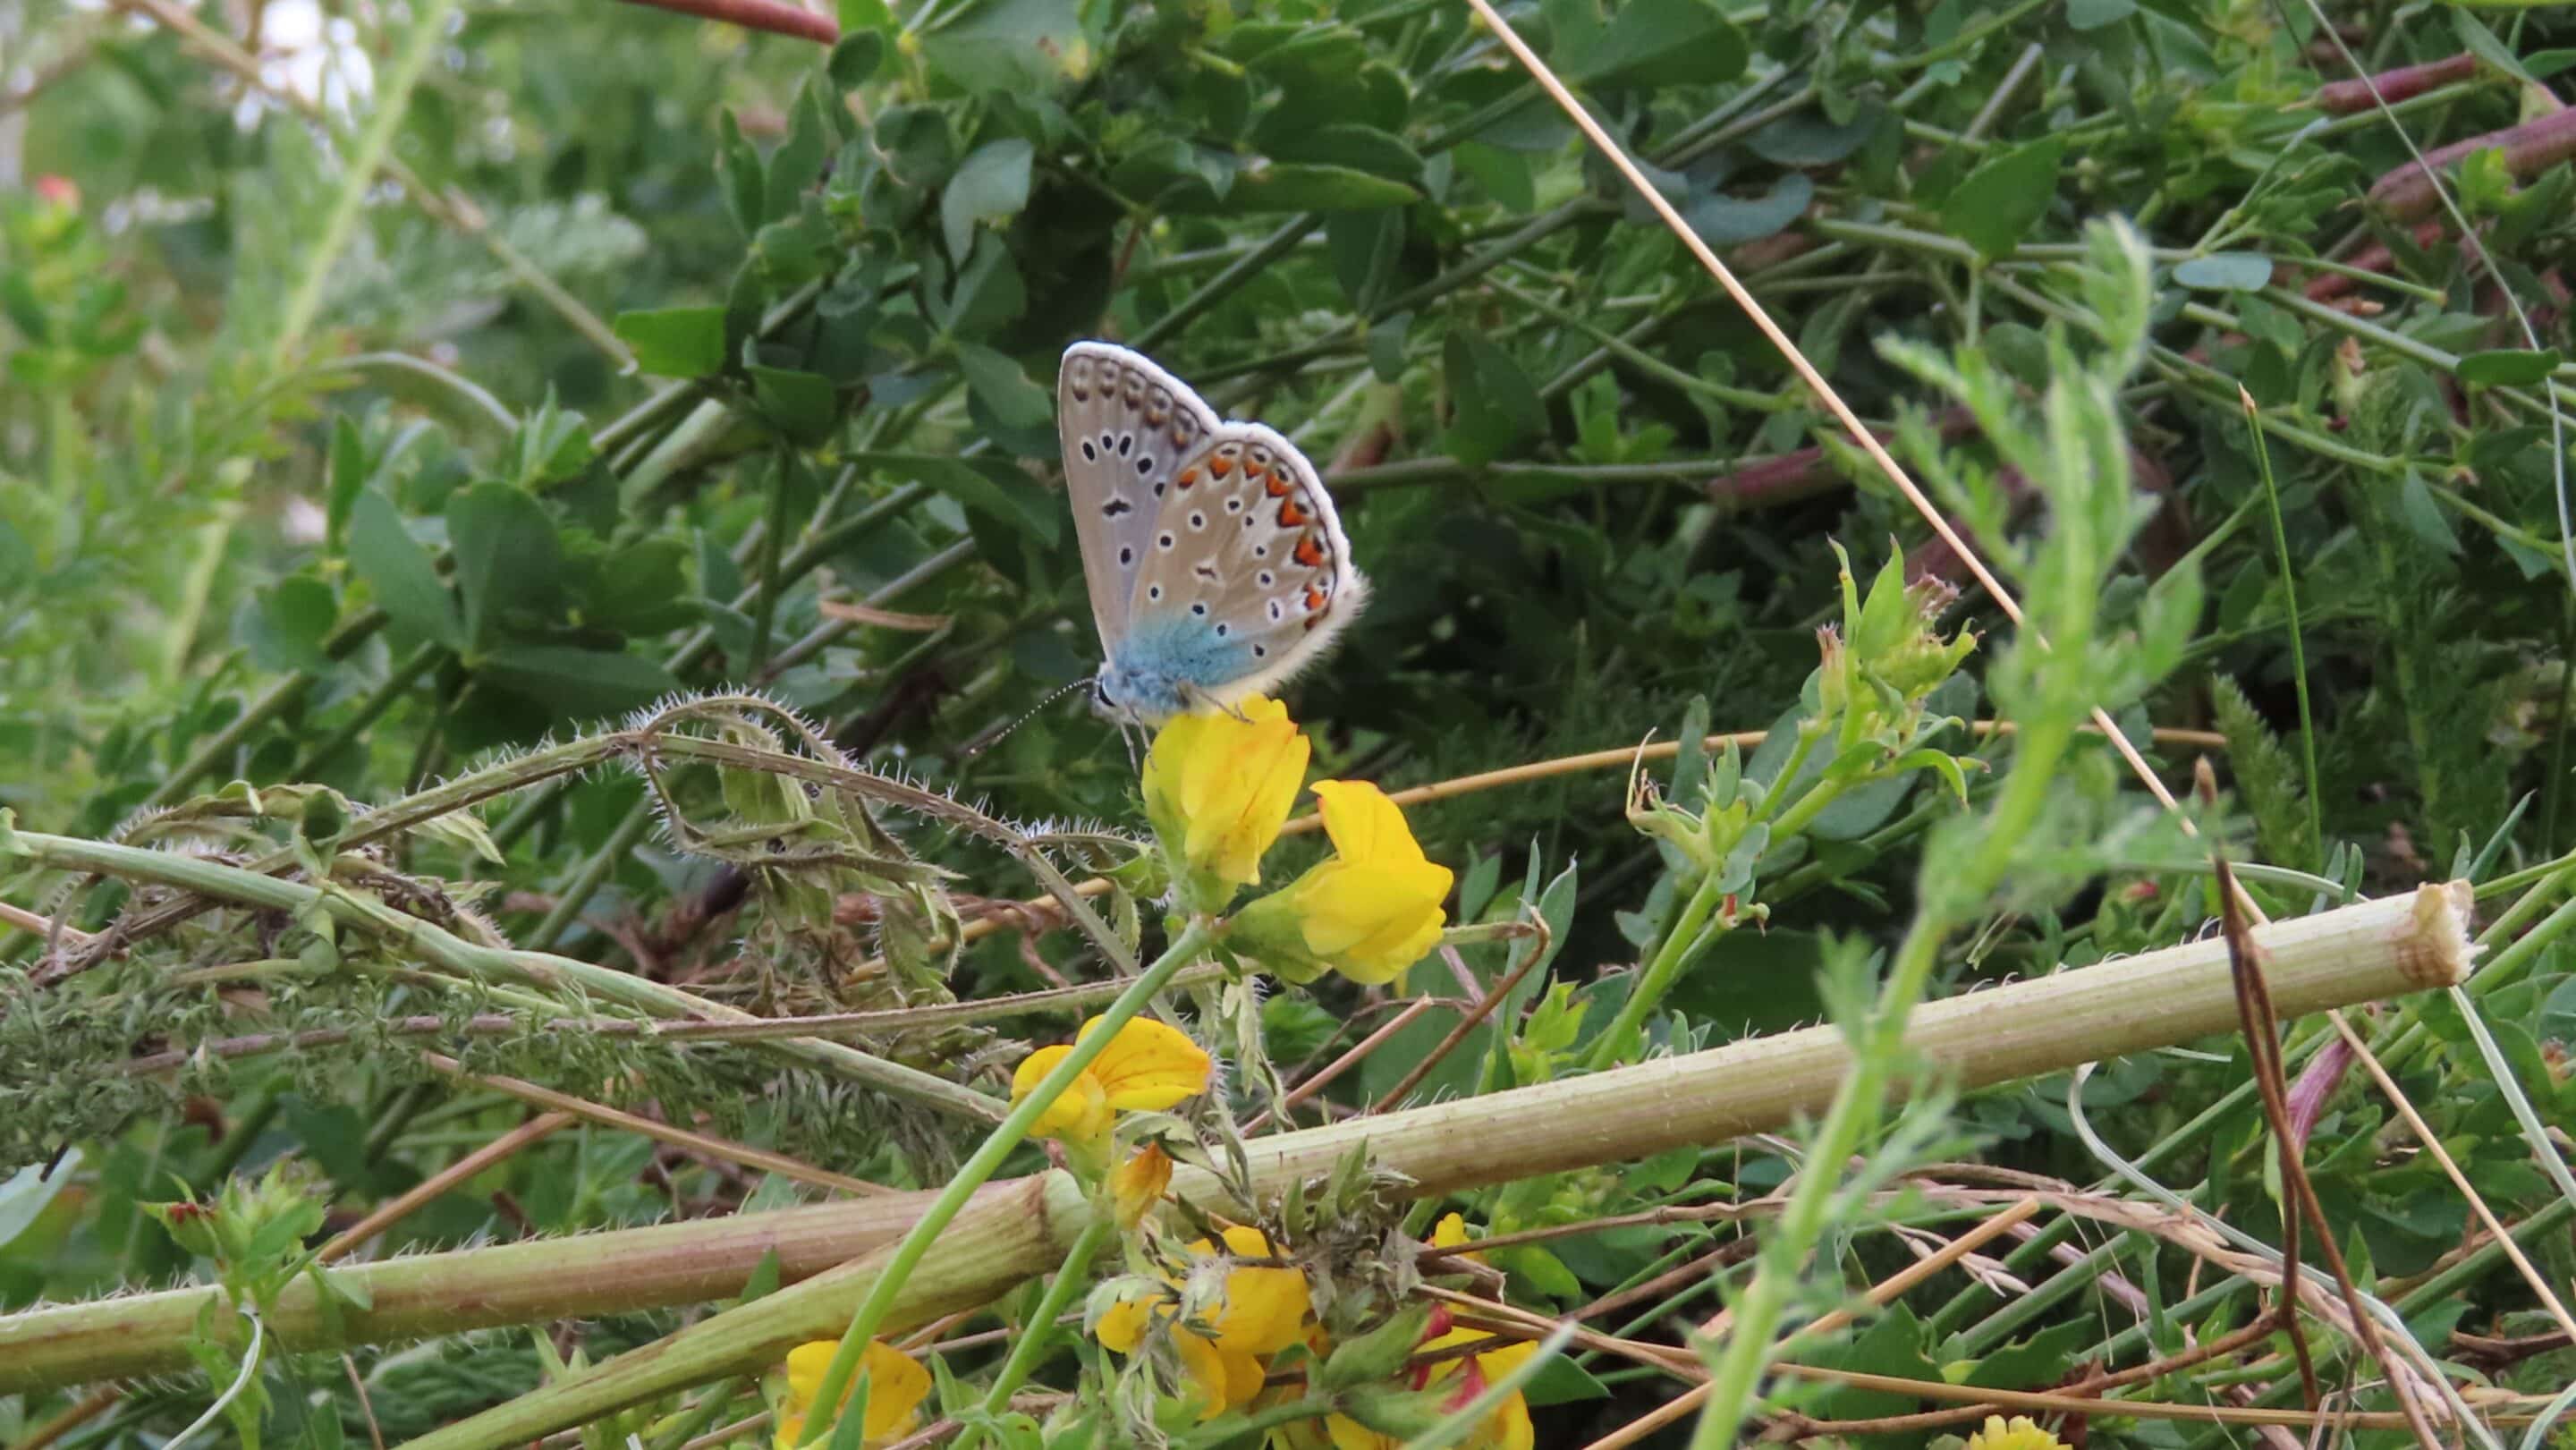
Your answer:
<point x="986" y="1160"/>
<point x="375" y="142"/>
<point x="2298" y="647"/>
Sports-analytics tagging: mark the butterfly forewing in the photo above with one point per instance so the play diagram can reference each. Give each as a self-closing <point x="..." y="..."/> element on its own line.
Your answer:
<point x="1246" y="543"/>
<point x="1126" y="426"/>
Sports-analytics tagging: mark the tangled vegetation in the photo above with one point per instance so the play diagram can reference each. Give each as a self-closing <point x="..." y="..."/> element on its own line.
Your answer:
<point x="555" y="883"/>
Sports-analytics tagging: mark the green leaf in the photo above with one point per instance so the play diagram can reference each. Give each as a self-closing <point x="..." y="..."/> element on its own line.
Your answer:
<point x="991" y="184"/>
<point x="2508" y="367"/>
<point x="675" y="342"/>
<point x="348" y="474"/>
<point x="642" y="588"/>
<point x="1996" y="205"/>
<point x="2083" y="15"/>
<point x="2226" y="272"/>
<point x="1347" y="144"/>
<point x="1005" y="45"/>
<point x="802" y="405"/>
<point x="399" y="570"/>
<point x="2423" y="514"/>
<point x="1003" y="386"/>
<point x="1653" y="43"/>
<point x="577" y="682"/>
<point x="855" y="58"/>
<point x="27" y="1193"/>
<point x="996" y="489"/>
<point x="1496" y="403"/>
<point x="2482" y="43"/>
<point x="507" y="560"/>
<point x="1562" y="1381"/>
<point x="1724" y="221"/>
<point x="288" y="622"/>
<point x="1299" y="186"/>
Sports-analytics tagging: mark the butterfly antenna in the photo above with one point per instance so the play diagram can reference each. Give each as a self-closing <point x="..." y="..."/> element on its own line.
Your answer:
<point x="997" y="737"/>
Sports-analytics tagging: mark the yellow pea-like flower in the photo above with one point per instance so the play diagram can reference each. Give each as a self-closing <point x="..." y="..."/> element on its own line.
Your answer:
<point x="1368" y="913"/>
<point x="1218" y="788"/>
<point x="1262" y="1309"/>
<point x="897" y="1384"/>
<point x="1147" y="1067"/>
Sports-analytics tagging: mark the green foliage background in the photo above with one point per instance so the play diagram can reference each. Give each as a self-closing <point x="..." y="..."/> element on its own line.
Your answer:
<point x="440" y="520"/>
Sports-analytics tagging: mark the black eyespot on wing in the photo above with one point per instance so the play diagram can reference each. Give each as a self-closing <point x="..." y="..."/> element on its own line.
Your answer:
<point x="1267" y="578"/>
<point x="1115" y="507"/>
<point x="1126" y="555"/>
<point x="1199" y="609"/>
<point x="1158" y="488"/>
<point x="1089" y="453"/>
<point x="1261" y="651"/>
<point x="1155" y="591"/>
<point x="1144" y="464"/>
<point x="1126" y="441"/>
<point x="1167" y="540"/>
<point x="1274" y="610"/>
<point x="1220" y="631"/>
<point x="1198" y="521"/>
<point x="1206" y="571"/>
<point x="1234" y="505"/>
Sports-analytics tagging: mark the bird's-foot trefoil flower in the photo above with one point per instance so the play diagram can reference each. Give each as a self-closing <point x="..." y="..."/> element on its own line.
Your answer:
<point x="1369" y="912"/>
<point x="1217" y="789"/>
<point x="897" y="1385"/>
<point x="1147" y="1067"/>
<point x="1233" y="1307"/>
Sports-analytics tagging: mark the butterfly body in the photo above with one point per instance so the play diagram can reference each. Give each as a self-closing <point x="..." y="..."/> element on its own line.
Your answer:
<point x="1216" y="562"/>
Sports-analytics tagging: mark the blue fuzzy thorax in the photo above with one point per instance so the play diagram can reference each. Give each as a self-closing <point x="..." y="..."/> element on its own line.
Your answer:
<point x="1166" y="663"/>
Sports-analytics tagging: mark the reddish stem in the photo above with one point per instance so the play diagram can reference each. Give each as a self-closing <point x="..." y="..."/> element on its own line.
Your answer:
<point x="2344" y="98"/>
<point x="774" y="16"/>
<point x="2529" y="149"/>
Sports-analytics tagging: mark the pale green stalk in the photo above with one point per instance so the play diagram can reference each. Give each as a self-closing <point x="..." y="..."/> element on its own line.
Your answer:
<point x="987" y="1159"/>
<point x="1035" y="1336"/>
<point x="393" y="101"/>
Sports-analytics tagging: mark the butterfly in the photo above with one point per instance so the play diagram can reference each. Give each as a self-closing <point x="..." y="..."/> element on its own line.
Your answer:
<point x="1216" y="564"/>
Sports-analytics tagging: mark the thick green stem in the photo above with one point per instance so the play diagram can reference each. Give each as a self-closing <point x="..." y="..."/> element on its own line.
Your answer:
<point x="1683" y="942"/>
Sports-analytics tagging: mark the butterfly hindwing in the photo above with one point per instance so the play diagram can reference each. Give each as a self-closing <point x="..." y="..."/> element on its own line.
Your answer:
<point x="1126" y="425"/>
<point x="1216" y="562"/>
<point x="1247" y="573"/>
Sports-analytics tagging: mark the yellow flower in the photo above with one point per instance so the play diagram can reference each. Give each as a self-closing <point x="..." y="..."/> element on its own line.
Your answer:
<point x="896" y="1387"/>
<point x="1369" y="912"/>
<point x="1218" y="788"/>
<point x="1449" y="1233"/>
<point x="1507" y="1426"/>
<point x="1147" y="1067"/>
<point x="2020" y="1434"/>
<point x="1137" y="1184"/>
<point x="1260" y="1310"/>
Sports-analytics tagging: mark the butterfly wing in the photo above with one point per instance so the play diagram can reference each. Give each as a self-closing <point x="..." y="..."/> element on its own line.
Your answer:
<point x="1126" y="426"/>
<point x="1246" y="578"/>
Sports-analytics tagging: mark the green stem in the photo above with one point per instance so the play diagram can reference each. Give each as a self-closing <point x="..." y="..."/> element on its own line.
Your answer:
<point x="358" y="176"/>
<point x="766" y="589"/>
<point x="1031" y="1346"/>
<point x="480" y="963"/>
<point x="2298" y="646"/>
<point x="2044" y="740"/>
<point x="1679" y="946"/>
<point x="987" y="1160"/>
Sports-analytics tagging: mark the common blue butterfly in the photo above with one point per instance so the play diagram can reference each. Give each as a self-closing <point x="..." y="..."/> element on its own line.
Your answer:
<point x="1216" y="564"/>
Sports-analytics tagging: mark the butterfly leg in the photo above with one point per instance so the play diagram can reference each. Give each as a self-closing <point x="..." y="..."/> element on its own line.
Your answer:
<point x="1199" y="699"/>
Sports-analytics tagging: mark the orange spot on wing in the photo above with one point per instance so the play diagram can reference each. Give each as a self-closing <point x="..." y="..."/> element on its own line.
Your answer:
<point x="1280" y="486"/>
<point x="1220" y="465"/>
<point x="1188" y="476"/>
<point x="1314" y="599"/>
<point x="1308" y="554"/>
<point x="1291" y="516"/>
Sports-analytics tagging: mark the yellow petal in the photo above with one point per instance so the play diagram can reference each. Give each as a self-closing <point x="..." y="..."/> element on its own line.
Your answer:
<point x="805" y="1366"/>
<point x="1123" y="1324"/>
<point x="1243" y="1376"/>
<point x="1080" y="1113"/>
<point x="1232" y="782"/>
<point x="1149" y="1066"/>
<point x="1350" y="1434"/>
<point x="1364" y="824"/>
<point x="1205" y="1370"/>
<point x="1509" y="1428"/>
<point x="791" y="1428"/>
<point x="1136" y="1185"/>
<point x="1265" y="1308"/>
<point x="897" y="1384"/>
